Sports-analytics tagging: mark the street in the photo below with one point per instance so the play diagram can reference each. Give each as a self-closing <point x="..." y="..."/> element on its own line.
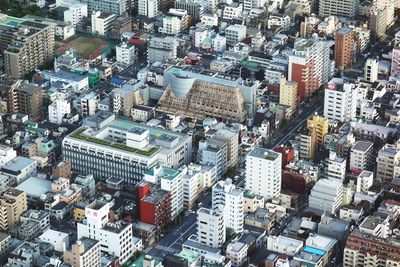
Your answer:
<point x="296" y="125"/>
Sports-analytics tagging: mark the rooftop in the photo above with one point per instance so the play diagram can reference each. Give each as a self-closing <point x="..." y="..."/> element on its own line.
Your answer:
<point x="264" y="154"/>
<point x="35" y="187"/>
<point x="362" y="146"/>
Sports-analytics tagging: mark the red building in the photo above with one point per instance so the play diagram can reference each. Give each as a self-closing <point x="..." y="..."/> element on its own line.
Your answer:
<point x="154" y="205"/>
<point x="287" y="154"/>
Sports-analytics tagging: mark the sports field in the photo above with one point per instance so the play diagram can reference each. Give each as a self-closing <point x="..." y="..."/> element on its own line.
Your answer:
<point x="86" y="47"/>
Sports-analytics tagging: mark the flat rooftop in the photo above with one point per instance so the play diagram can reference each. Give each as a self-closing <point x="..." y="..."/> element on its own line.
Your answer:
<point x="264" y="154"/>
<point x="362" y="146"/>
<point x="35" y="187"/>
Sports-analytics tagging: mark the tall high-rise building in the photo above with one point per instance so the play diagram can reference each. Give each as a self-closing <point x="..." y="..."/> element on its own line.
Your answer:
<point x="377" y="24"/>
<point x="340" y="8"/>
<point x="340" y="100"/>
<point x="211" y="229"/>
<point x="29" y="46"/>
<point x="344" y="48"/>
<point x="309" y="65"/>
<point x="361" y="156"/>
<point x="117" y="7"/>
<point x="264" y="172"/>
<point x="195" y="9"/>
<point x="229" y="199"/>
<point x="371" y="69"/>
<point x="148" y="8"/>
<point x="161" y="49"/>
<point x="335" y="166"/>
<point x="115" y="237"/>
<point x="288" y="93"/>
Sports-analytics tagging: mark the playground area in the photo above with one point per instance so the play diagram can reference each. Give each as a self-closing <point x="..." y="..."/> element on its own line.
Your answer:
<point x="85" y="46"/>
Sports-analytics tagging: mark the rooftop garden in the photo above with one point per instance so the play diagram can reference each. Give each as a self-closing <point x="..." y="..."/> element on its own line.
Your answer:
<point x="78" y="134"/>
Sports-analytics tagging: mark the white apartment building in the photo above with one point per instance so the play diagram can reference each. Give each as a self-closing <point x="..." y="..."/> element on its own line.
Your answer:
<point x="233" y="11"/>
<point x="361" y="156"/>
<point x="279" y="21"/>
<point x="335" y="167"/>
<point x="199" y="35"/>
<point x="169" y="180"/>
<point x="209" y="20"/>
<point x="250" y="4"/>
<point x="237" y="253"/>
<point x="229" y="199"/>
<point x="264" y="172"/>
<point x="235" y="34"/>
<point x="89" y="104"/>
<point x="102" y="22"/>
<point x="74" y="13"/>
<point x="284" y="245"/>
<point x="161" y="49"/>
<point x="191" y="188"/>
<point x="7" y="154"/>
<point x="326" y="195"/>
<point x="364" y="181"/>
<point x="171" y="25"/>
<point x="340" y="8"/>
<point x="115" y="237"/>
<point x="58" y="109"/>
<point x="208" y="174"/>
<point x="371" y="70"/>
<point x="19" y="169"/>
<point x="219" y="43"/>
<point x="340" y="100"/>
<point x="148" y="8"/>
<point x="211" y="230"/>
<point x="126" y="54"/>
<point x="388" y="158"/>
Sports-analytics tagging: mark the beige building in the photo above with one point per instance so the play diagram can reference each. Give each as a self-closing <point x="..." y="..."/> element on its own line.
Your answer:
<point x="321" y="126"/>
<point x="388" y="157"/>
<point x="84" y="253"/>
<point x="308" y="143"/>
<point x="12" y="204"/>
<point x="252" y="202"/>
<point x="288" y="93"/>
<point x="32" y="44"/>
<point x="25" y="98"/>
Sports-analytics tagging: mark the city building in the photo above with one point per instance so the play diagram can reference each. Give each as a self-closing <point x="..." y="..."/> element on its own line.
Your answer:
<point x="264" y="172"/>
<point x="154" y="205"/>
<point x="115" y="237"/>
<point x="235" y="34"/>
<point x="139" y="148"/>
<point x="308" y="143"/>
<point x="195" y="9"/>
<point x="190" y="93"/>
<point x="284" y="245"/>
<point x="237" y="253"/>
<point x="229" y="199"/>
<point x="288" y="93"/>
<point x="361" y="157"/>
<point x="26" y="98"/>
<point x="340" y="100"/>
<point x="170" y="180"/>
<point x="58" y="110"/>
<point x="28" y="44"/>
<point x="161" y="49"/>
<point x="12" y="204"/>
<point x="126" y="54"/>
<point x="326" y="195"/>
<point x="335" y="167"/>
<point x="148" y="8"/>
<point x="117" y="7"/>
<point x="211" y="228"/>
<point x="72" y="12"/>
<point x="362" y="249"/>
<point x="371" y="69"/>
<point x="309" y="66"/>
<point x="84" y="253"/>
<point x="320" y="124"/>
<point x="340" y="8"/>
<point x="388" y="158"/>
<point x="102" y="22"/>
<point x="344" y="48"/>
